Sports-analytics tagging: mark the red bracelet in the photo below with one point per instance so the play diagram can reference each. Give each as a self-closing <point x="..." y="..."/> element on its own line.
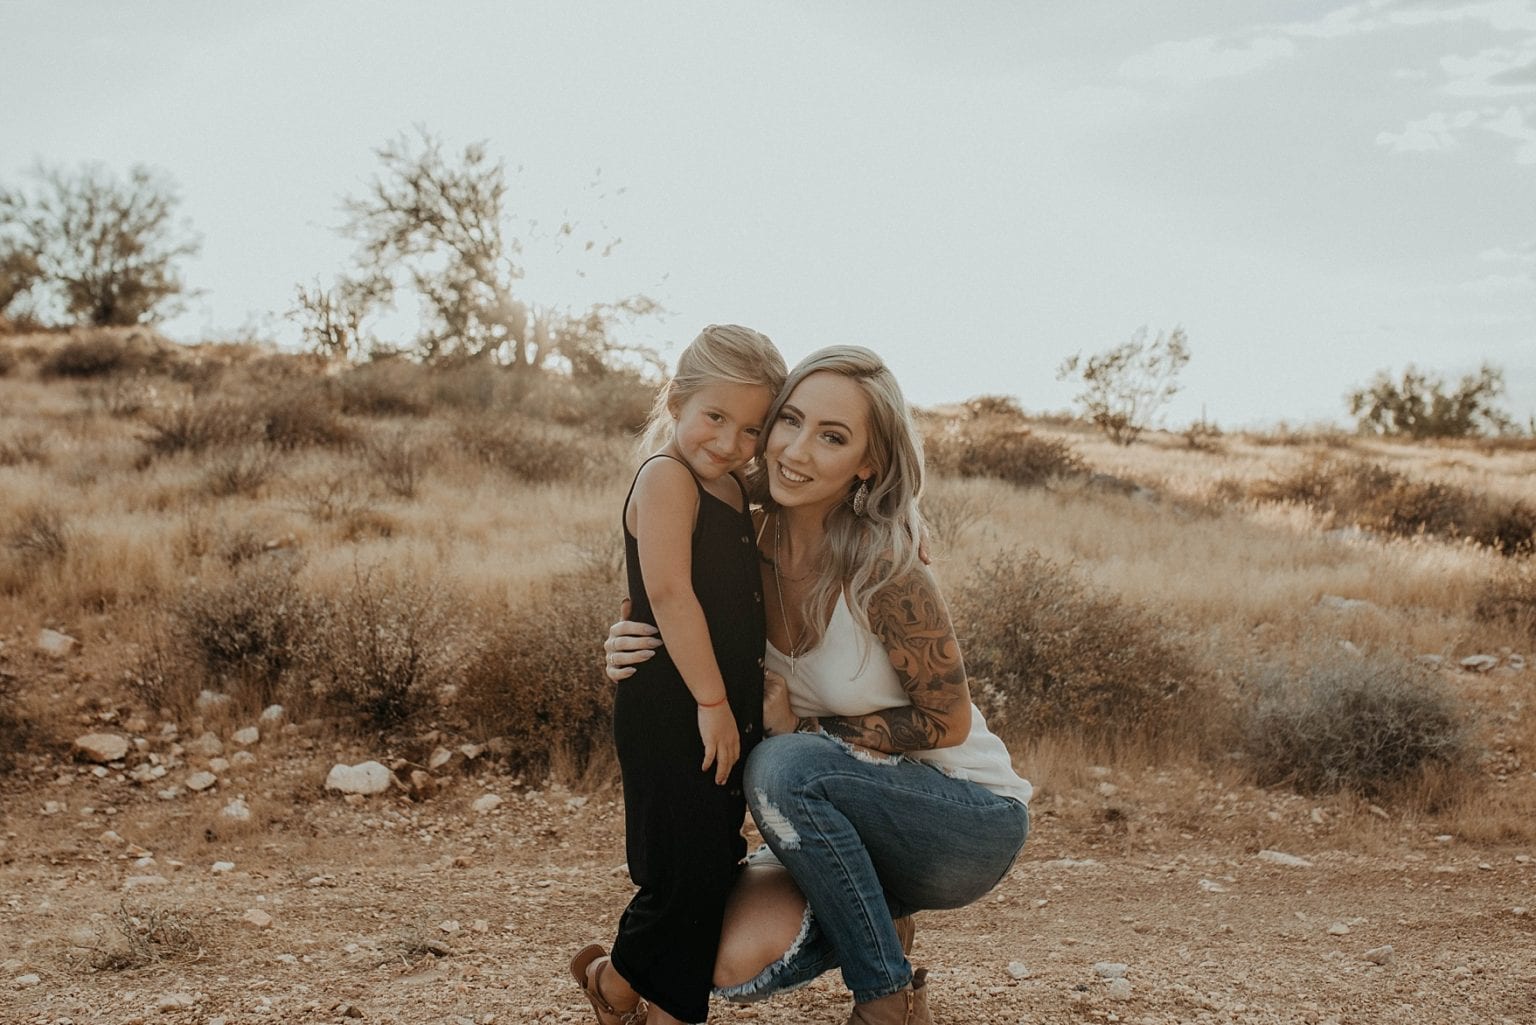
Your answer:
<point x="713" y="704"/>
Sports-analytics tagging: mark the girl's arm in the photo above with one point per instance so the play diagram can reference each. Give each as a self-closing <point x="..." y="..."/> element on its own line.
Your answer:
<point x="911" y="620"/>
<point x="665" y="504"/>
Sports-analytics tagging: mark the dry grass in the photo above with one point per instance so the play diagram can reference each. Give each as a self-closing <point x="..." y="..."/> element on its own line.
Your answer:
<point x="139" y="937"/>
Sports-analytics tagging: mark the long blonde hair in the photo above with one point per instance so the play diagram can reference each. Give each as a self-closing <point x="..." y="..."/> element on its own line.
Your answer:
<point x="862" y="554"/>
<point x="721" y="354"/>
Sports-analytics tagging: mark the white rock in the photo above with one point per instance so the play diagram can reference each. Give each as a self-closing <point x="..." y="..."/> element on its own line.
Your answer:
<point x="1018" y="970"/>
<point x="166" y="1003"/>
<point x="218" y="766"/>
<point x="1281" y="858"/>
<point x="247" y="736"/>
<point x="139" y="882"/>
<point x="490" y="802"/>
<point x="1211" y="886"/>
<point x="439" y="757"/>
<point x="201" y="781"/>
<point x="1379" y="955"/>
<point x="28" y="980"/>
<point x="112" y="838"/>
<point x="363" y="778"/>
<point x="241" y="759"/>
<point x="51" y="642"/>
<point x="1110" y="969"/>
<point x="1119" y="989"/>
<point x="237" y="810"/>
<point x="1107" y="789"/>
<point x="273" y="714"/>
<point x="101" y="747"/>
<point x="1479" y="663"/>
<point x="207" y="746"/>
<point x="222" y="867"/>
<point x="1338" y="929"/>
<point x="211" y="702"/>
<point x="257" y="917"/>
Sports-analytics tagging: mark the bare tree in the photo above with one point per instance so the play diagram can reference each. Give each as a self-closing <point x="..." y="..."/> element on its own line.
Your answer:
<point x="104" y="250"/>
<point x="1124" y="387"/>
<point x="333" y="319"/>
<point x="442" y="222"/>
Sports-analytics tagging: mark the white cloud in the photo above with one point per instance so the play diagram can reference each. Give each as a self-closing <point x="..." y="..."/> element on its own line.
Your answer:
<point x="1496" y="72"/>
<point x="1192" y="61"/>
<point x="1343" y="21"/>
<point x="1436" y="132"/>
<point x="1502" y="15"/>
<point x="1511" y="124"/>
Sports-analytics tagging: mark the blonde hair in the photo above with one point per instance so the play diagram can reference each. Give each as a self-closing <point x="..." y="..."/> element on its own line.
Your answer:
<point x="862" y="554"/>
<point x="721" y="354"/>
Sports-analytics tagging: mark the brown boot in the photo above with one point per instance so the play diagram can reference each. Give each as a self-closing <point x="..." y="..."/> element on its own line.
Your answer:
<point x="906" y="931"/>
<point x="907" y="1006"/>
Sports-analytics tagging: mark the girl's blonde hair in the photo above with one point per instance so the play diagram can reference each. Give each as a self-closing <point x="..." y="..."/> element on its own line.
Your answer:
<point x="721" y="354"/>
<point x="862" y="554"/>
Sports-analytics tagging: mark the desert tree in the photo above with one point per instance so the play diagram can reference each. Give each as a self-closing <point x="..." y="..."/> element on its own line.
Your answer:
<point x="1124" y="387"/>
<point x="334" y="320"/>
<point x="101" y="249"/>
<point x="442" y="222"/>
<point x="1423" y="405"/>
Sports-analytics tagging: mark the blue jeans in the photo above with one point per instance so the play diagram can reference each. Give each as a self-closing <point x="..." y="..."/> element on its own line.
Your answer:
<point x="868" y="839"/>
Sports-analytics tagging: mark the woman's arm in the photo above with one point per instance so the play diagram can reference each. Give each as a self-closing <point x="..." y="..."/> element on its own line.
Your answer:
<point x="628" y="644"/>
<point x="911" y="620"/>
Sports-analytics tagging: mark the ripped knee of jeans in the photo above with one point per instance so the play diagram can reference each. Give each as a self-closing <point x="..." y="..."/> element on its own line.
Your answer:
<point x="771" y="979"/>
<point x="772" y="821"/>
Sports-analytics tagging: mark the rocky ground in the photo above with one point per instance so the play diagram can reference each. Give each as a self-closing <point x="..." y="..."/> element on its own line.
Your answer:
<point x="128" y="895"/>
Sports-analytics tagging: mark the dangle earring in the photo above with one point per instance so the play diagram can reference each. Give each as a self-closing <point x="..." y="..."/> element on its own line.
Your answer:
<point x="861" y="498"/>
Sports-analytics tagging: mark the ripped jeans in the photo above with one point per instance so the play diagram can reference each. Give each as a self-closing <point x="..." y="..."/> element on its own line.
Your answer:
<point x="866" y="840"/>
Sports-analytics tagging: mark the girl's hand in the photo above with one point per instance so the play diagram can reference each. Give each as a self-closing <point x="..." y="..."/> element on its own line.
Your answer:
<point x="778" y="717"/>
<point x="722" y="743"/>
<point x="628" y="644"/>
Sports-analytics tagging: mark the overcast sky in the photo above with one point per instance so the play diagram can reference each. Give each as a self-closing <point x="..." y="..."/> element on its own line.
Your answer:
<point x="1314" y="190"/>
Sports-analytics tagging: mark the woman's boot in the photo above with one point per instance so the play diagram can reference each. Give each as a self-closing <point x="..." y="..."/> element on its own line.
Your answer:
<point x="907" y="1006"/>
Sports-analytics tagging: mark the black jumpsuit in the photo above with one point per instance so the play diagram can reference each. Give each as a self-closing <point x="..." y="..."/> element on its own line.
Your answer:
<point x="683" y="831"/>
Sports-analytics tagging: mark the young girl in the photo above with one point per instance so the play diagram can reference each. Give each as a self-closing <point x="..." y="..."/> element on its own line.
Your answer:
<point x="685" y="721"/>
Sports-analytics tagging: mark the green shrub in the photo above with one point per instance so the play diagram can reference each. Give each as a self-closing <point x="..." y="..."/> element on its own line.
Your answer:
<point x="1372" y="725"/>
<point x="1048" y="654"/>
<point x="538" y="681"/>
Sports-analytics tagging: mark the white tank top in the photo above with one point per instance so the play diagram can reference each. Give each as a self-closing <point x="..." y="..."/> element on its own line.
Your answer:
<point x="848" y="674"/>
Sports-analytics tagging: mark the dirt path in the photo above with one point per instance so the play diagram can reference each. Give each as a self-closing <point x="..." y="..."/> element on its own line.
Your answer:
<point x="413" y="912"/>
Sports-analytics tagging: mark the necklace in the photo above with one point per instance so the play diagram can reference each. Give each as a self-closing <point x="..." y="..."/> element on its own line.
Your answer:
<point x="794" y="652"/>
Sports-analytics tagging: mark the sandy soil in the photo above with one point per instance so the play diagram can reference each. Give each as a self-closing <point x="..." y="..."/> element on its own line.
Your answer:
<point x="389" y="909"/>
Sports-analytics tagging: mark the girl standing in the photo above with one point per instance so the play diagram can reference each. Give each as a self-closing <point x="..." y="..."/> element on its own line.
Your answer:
<point x="684" y="723"/>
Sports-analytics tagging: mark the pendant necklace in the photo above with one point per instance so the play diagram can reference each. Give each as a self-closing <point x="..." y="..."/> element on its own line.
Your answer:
<point x="794" y="652"/>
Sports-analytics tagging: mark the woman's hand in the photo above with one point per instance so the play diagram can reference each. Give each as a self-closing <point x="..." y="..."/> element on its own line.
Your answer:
<point x="778" y="717"/>
<point x="629" y="643"/>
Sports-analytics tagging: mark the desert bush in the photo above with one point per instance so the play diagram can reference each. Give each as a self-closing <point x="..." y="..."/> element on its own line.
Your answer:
<point x="1510" y="598"/>
<point x="1048" y="654"/>
<point x="8" y="361"/>
<point x="105" y="353"/>
<point x="1124" y="387"/>
<point x="399" y="463"/>
<point x="1375" y="725"/>
<point x="197" y="425"/>
<point x="241" y="471"/>
<point x="537" y="680"/>
<point x="528" y="451"/>
<point x="39" y="536"/>
<point x="996" y="446"/>
<point x="25" y="447"/>
<point x="148" y="935"/>
<point x="1377" y="498"/>
<point x="389" y="387"/>
<point x="950" y="509"/>
<point x="247" y="630"/>
<point x="299" y="415"/>
<point x="1423" y="405"/>
<point x="16" y="726"/>
<point x="385" y="646"/>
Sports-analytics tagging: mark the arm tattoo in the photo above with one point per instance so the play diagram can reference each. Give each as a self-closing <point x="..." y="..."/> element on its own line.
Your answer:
<point x="913" y="624"/>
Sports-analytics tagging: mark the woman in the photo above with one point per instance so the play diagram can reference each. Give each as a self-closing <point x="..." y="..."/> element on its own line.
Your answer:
<point x="879" y="790"/>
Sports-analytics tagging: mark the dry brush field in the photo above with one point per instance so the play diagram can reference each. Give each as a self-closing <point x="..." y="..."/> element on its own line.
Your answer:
<point x="1274" y="692"/>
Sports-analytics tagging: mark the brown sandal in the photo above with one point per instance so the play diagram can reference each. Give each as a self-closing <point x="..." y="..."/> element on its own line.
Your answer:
<point x="591" y="985"/>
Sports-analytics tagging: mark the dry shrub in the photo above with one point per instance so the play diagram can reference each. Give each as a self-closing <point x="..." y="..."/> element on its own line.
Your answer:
<point x="100" y="353"/>
<point x="196" y="426"/>
<point x="1378" y="726"/>
<point x="1510" y="598"/>
<point x="245" y="631"/>
<point x="398" y="462"/>
<point x="994" y="442"/>
<point x="25" y="447"/>
<point x="241" y="471"/>
<point x="950" y="509"/>
<point x="391" y="387"/>
<point x="147" y="936"/>
<point x="39" y="537"/>
<point x="301" y="414"/>
<point x="8" y="361"/>
<point x="538" y="681"/>
<point x="1048" y="654"/>
<point x="528" y="451"/>
<point x="383" y="647"/>
<point x="616" y="401"/>
<point x="16" y="727"/>
<point x="1378" y="498"/>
